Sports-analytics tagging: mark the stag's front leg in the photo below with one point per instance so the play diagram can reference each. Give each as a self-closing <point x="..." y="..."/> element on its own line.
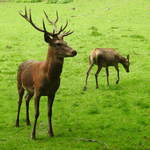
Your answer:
<point x="36" y="104"/>
<point x="117" y="69"/>
<point x="96" y="75"/>
<point x="50" y="104"/>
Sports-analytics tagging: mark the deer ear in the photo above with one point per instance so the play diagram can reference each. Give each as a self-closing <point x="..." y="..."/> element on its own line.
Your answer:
<point x="128" y="56"/>
<point x="47" y="38"/>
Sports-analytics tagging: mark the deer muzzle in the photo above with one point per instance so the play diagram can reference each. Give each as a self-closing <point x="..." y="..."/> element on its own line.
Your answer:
<point x="127" y="70"/>
<point x="74" y="53"/>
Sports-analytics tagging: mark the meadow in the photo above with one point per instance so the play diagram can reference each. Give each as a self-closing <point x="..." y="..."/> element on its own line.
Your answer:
<point x="109" y="118"/>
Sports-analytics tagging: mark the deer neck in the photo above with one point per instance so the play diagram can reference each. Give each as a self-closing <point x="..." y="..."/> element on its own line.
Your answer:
<point x="54" y="64"/>
<point x="122" y="60"/>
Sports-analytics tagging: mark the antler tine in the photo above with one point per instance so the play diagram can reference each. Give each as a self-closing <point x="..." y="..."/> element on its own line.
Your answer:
<point x="30" y="14"/>
<point x="25" y="15"/>
<point x="25" y="11"/>
<point x="65" y="25"/>
<point x="47" y="18"/>
<point x="52" y="22"/>
<point x="67" y="33"/>
<point x="44" y="26"/>
<point x="28" y="17"/>
<point x="60" y="30"/>
<point x="55" y="22"/>
<point x="56" y="17"/>
<point x="63" y="28"/>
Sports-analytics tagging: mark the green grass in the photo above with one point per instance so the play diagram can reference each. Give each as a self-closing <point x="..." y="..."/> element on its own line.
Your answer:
<point x="117" y="117"/>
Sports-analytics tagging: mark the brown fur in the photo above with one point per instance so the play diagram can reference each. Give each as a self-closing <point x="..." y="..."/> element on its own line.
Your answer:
<point x="42" y="78"/>
<point x="105" y="57"/>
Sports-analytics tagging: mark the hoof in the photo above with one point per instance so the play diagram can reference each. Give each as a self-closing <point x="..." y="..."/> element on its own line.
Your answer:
<point x="84" y="89"/>
<point x="28" y="123"/>
<point x="51" y="134"/>
<point x="117" y="82"/>
<point x="17" y="124"/>
<point x="33" y="137"/>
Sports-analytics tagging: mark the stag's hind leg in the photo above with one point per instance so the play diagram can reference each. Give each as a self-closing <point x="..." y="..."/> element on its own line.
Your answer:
<point x="21" y="93"/>
<point x="96" y="76"/>
<point x="28" y="98"/>
<point x="36" y="104"/>
<point x="87" y="75"/>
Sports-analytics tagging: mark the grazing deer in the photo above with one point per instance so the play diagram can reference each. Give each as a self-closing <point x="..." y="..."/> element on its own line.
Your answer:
<point x="42" y="78"/>
<point x="105" y="57"/>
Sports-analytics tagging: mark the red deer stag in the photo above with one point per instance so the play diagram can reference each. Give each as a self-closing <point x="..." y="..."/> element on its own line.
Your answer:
<point x="42" y="78"/>
<point x="105" y="57"/>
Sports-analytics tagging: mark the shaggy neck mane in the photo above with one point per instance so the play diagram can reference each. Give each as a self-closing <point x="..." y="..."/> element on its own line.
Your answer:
<point x="53" y="64"/>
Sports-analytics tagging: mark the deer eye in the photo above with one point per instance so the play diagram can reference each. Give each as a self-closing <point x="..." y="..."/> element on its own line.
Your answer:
<point x="58" y="44"/>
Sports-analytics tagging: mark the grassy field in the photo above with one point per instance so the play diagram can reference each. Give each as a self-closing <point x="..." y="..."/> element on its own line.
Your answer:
<point x="115" y="117"/>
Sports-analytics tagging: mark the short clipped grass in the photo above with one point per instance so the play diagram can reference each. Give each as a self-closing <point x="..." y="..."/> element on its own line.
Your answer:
<point x="112" y="118"/>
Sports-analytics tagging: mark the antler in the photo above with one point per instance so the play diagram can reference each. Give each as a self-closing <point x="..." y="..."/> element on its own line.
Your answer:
<point x="55" y="27"/>
<point x="63" y="28"/>
<point x="67" y="33"/>
<point x="28" y="17"/>
<point x="52" y="22"/>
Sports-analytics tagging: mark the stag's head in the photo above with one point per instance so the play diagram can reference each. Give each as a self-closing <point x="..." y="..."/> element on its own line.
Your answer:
<point x="55" y="39"/>
<point x="126" y="64"/>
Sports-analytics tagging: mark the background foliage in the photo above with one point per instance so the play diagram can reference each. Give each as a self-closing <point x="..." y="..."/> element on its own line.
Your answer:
<point x="116" y="117"/>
